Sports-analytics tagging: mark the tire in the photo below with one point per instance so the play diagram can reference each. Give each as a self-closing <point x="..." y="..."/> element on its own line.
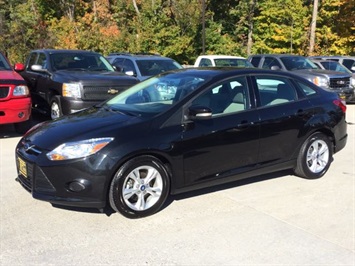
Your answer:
<point x="315" y="157"/>
<point x="56" y="110"/>
<point x="139" y="187"/>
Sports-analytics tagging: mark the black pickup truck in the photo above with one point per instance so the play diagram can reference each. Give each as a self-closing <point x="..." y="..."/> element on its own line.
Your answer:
<point x="66" y="81"/>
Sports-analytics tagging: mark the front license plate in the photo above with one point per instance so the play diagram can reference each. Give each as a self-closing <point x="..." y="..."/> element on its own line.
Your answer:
<point x="22" y="167"/>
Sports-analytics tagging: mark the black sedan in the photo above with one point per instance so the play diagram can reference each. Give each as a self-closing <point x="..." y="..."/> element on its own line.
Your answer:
<point x="179" y="131"/>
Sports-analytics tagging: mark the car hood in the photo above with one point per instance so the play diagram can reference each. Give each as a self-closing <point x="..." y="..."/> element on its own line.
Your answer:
<point x="91" y="123"/>
<point x="322" y="72"/>
<point x="10" y="76"/>
<point x="106" y="76"/>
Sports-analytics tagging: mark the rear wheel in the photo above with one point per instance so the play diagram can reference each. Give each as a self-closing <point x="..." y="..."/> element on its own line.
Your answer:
<point x="140" y="187"/>
<point x="315" y="157"/>
<point x="56" y="110"/>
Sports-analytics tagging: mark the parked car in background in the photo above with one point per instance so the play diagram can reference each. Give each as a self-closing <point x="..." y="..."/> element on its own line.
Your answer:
<point x="302" y="66"/>
<point x="336" y="66"/>
<point x="62" y="82"/>
<point x="221" y="61"/>
<point x="142" y="65"/>
<point x="347" y="61"/>
<point x="182" y="130"/>
<point x="15" y="100"/>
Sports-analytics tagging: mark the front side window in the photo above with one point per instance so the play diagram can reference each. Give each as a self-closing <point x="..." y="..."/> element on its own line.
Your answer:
<point x="4" y="65"/>
<point x="270" y="62"/>
<point x="42" y="60"/>
<point x="31" y="61"/>
<point x="275" y="90"/>
<point x="228" y="97"/>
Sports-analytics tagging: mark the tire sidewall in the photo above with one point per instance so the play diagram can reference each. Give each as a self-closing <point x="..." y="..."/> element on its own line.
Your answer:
<point x="55" y="99"/>
<point x="115" y="194"/>
<point x="307" y="173"/>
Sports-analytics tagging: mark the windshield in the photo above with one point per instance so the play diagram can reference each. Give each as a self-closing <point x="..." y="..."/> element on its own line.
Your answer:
<point x="335" y="66"/>
<point x="153" y="67"/>
<point x="232" y="62"/>
<point x="297" y="62"/>
<point x="157" y="94"/>
<point x="80" y="61"/>
<point x="4" y="65"/>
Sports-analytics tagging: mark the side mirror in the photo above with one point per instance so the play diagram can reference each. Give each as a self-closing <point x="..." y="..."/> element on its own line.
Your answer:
<point x="38" y="68"/>
<point x="353" y="68"/>
<point x="19" y="67"/>
<point x="130" y="73"/>
<point x="199" y="112"/>
<point x="275" y="67"/>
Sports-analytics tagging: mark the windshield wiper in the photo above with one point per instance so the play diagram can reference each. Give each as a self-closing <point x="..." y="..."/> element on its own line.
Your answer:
<point x="113" y="110"/>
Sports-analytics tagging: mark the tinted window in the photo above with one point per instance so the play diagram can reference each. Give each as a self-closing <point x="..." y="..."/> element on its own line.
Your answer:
<point x="205" y="62"/>
<point x="275" y="90"/>
<point x="128" y="66"/>
<point x="270" y="62"/>
<point x="227" y="97"/>
<point x="31" y="61"/>
<point x="349" y="63"/>
<point x="3" y="63"/>
<point x="255" y="61"/>
<point x="306" y="89"/>
<point x="42" y="60"/>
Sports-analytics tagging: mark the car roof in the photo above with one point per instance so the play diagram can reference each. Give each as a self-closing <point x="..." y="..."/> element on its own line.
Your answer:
<point x="217" y="71"/>
<point x="332" y="56"/>
<point x="53" y="51"/>
<point x="138" y="56"/>
<point x="278" y="55"/>
<point x="221" y="56"/>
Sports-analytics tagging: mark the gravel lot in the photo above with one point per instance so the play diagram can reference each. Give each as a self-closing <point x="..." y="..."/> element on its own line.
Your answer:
<point x="276" y="219"/>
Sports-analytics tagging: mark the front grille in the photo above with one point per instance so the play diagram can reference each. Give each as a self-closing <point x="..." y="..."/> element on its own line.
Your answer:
<point x="4" y="92"/>
<point x="338" y="83"/>
<point x="101" y="93"/>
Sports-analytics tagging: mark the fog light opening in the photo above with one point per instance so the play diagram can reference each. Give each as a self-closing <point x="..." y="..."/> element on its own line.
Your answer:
<point x="76" y="186"/>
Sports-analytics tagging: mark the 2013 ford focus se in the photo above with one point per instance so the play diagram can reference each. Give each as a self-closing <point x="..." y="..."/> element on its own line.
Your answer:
<point x="179" y="131"/>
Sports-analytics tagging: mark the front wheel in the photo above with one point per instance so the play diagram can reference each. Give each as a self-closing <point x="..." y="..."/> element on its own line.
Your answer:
<point x="140" y="187"/>
<point x="314" y="157"/>
<point x="56" y="110"/>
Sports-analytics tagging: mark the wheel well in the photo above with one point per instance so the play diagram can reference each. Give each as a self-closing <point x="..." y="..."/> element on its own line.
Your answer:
<point x="160" y="157"/>
<point x="330" y="136"/>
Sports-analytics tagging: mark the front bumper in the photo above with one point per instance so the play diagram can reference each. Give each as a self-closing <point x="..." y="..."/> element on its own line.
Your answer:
<point x="15" y="110"/>
<point x="71" y="105"/>
<point x="78" y="183"/>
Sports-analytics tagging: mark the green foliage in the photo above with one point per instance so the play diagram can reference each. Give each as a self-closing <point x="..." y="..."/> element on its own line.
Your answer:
<point x="173" y="28"/>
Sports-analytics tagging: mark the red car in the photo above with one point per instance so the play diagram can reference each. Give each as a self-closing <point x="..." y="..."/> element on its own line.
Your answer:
<point x="15" y="100"/>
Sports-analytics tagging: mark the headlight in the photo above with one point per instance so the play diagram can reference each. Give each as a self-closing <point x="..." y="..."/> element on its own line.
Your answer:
<point x="321" y="82"/>
<point x="71" y="90"/>
<point x="21" y="90"/>
<point x="78" y="149"/>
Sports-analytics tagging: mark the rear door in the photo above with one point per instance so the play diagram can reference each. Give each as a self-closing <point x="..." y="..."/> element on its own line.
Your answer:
<point x="284" y="112"/>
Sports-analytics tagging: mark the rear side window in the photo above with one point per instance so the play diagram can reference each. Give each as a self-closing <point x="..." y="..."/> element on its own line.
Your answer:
<point x="349" y="63"/>
<point x="205" y="62"/>
<point x="275" y="90"/>
<point x="306" y="89"/>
